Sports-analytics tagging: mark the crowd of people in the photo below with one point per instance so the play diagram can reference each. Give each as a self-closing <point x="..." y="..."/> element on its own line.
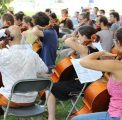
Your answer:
<point x="31" y="43"/>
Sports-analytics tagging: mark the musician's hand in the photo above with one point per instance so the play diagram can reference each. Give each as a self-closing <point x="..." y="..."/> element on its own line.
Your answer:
<point x="3" y="43"/>
<point x="37" y="32"/>
<point x="108" y="56"/>
<point x="65" y="37"/>
<point x="40" y="27"/>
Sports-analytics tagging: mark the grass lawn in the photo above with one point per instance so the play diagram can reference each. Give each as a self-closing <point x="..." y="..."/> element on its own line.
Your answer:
<point x="61" y="111"/>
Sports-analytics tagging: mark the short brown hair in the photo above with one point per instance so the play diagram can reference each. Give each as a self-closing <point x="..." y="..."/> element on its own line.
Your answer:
<point x="8" y="17"/>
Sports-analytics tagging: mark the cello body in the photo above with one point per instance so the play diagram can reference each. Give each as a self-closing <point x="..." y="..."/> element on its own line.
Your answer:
<point x="96" y="98"/>
<point x="37" y="45"/>
<point x="63" y="70"/>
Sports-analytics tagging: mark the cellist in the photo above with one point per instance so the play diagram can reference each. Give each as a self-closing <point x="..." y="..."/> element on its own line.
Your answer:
<point x="114" y="85"/>
<point x="24" y="59"/>
<point x="62" y="89"/>
<point x="31" y="36"/>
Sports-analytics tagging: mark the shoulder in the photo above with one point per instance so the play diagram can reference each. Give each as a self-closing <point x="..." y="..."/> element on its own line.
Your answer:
<point x="35" y="55"/>
<point x="99" y="33"/>
<point x="116" y="63"/>
<point x="47" y="31"/>
<point x="24" y="33"/>
<point x="114" y="25"/>
<point x="50" y="31"/>
<point x="3" y="51"/>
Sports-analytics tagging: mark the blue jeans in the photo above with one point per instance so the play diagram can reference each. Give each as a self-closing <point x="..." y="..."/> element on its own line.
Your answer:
<point x="95" y="116"/>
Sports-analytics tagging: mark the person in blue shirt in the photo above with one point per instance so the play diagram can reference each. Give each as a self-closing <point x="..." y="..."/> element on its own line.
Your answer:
<point x="49" y="41"/>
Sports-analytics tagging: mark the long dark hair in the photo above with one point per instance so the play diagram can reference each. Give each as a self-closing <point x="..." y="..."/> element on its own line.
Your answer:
<point x="88" y="31"/>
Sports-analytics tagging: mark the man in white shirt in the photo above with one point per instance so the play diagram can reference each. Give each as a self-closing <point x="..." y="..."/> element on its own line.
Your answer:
<point x="16" y="63"/>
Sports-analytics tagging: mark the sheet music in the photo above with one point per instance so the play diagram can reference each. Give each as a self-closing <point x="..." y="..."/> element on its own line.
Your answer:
<point x="85" y="75"/>
<point x="98" y="46"/>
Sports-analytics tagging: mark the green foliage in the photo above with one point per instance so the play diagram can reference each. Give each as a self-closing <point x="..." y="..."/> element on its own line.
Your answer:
<point x="3" y="6"/>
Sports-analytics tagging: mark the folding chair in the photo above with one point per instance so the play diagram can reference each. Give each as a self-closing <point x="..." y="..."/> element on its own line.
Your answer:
<point x="24" y="86"/>
<point x="74" y="104"/>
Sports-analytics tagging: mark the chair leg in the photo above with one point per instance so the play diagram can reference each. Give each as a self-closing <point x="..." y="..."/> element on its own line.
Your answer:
<point x="48" y="94"/>
<point x="67" y="118"/>
<point x="73" y="102"/>
<point x="7" y="109"/>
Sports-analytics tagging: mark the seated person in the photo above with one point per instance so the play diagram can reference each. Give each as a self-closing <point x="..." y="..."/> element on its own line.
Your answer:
<point x="54" y="22"/>
<point x="7" y="20"/>
<point x="49" y="41"/>
<point x="65" y="21"/>
<point x="116" y="23"/>
<point x="19" y="19"/>
<point x="114" y="85"/>
<point x="106" y="36"/>
<point x="16" y="63"/>
<point x="31" y="36"/>
<point x="83" y="20"/>
<point x="63" y="89"/>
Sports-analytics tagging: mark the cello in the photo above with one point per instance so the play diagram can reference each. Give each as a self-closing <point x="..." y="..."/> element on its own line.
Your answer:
<point x="37" y="45"/>
<point x="64" y="70"/>
<point x="96" y="97"/>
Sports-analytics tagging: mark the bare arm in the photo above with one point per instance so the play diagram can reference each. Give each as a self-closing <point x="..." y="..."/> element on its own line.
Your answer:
<point x="73" y="34"/>
<point x="91" y="62"/>
<point x="75" y="45"/>
<point x="37" y="32"/>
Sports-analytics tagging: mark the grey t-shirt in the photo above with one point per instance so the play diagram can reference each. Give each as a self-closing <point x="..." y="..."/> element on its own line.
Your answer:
<point x="106" y="39"/>
<point x="115" y="26"/>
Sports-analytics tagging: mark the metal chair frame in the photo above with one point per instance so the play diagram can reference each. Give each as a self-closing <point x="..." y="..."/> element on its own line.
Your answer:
<point x="28" y="85"/>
